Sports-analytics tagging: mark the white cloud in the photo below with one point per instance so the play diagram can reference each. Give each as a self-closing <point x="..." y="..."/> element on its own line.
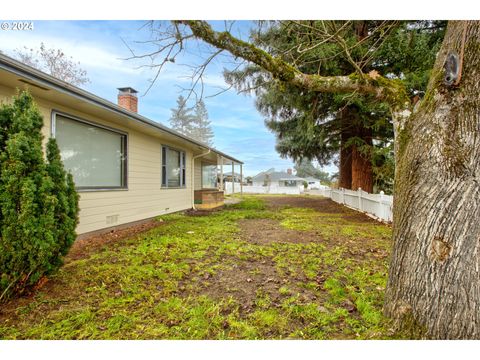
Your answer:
<point x="90" y="55"/>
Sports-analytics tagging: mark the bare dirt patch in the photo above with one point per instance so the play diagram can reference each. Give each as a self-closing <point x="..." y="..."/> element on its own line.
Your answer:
<point x="267" y="231"/>
<point x="317" y="203"/>
<point x="247" y="280"/>
<point x="326" y="206"/>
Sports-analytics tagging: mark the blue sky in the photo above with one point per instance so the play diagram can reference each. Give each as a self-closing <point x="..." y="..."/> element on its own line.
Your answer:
<point x="99" y="47"/>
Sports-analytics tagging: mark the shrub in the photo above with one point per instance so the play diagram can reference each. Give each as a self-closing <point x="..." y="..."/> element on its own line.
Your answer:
<point x="38" y="203"/>
<point x="66" y="207"/>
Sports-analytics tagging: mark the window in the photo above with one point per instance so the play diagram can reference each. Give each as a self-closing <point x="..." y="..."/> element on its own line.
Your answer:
<point x="209" y="176"/>
<point x="290" y="183"/>
<point x="96" y="156"/>
<point x="173" y="168"/>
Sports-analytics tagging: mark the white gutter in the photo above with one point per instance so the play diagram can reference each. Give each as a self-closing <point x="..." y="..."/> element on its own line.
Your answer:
<point x="193" y="175"/>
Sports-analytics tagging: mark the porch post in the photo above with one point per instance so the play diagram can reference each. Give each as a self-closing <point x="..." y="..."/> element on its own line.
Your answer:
<point x="241" y="180"/>
<point x="233" y="178"/>
<point x="221" y="174"/>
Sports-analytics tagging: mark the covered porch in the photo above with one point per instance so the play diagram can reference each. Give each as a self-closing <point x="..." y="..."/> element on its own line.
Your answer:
<point x="211" y="171"/>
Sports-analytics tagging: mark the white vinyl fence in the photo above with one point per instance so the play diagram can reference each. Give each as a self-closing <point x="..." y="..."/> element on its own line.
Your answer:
<point x="379" y="205"/>
<point x="272" y="189"/>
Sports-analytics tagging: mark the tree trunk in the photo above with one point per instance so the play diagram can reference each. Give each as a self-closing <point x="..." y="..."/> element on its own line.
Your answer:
<point x="355" y="167"/>
<point x="345" y="180"/>
<point x="434" y="280"/>
<point x="362" y="172"/>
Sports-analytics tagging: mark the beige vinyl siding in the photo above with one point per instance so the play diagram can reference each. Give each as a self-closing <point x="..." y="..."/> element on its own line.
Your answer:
<point x="198" y="174"/>
<point x="144" y="197"/>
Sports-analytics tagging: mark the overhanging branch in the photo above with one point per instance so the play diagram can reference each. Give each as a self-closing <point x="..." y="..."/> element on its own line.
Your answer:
<point x="368" y="84"/>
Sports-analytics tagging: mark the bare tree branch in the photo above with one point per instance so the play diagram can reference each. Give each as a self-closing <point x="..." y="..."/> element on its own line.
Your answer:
<point x="54" y="62"/>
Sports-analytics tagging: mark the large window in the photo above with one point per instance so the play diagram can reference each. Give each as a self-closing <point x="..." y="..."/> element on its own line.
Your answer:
<point x="95" y="156"/>
<point x="209" y="176"/>
<point x="173" y="168"/>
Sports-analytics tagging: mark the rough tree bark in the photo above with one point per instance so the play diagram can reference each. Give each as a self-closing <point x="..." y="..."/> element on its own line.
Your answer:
<point x="355" y="167"/>
<point x="434" y="278"/>
<point x="362" y="171"/>
<point x="345" y="167"/>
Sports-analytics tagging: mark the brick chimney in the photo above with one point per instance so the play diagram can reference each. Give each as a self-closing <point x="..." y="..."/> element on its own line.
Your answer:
<point x="289" y="171"/>
<point x="127" y="99"/>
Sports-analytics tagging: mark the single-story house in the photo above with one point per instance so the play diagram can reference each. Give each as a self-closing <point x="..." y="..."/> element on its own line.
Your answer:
<point x="127" y="168"/>
<point x="313" y="183"/>
<point x="277" y="178"/>
<point x="227" y="176"/>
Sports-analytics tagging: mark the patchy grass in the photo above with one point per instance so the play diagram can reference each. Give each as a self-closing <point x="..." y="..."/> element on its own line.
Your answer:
<point x="201" y="277"/>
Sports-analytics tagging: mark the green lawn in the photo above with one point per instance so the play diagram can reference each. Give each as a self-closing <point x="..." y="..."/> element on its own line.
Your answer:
<point x="252" y="271"/>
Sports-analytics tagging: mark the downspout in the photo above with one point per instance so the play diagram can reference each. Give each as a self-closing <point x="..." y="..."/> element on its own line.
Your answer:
<point x="193" y="176"/>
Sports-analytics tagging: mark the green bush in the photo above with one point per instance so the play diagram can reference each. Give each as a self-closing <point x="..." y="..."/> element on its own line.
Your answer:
<point x="38" y="202"/>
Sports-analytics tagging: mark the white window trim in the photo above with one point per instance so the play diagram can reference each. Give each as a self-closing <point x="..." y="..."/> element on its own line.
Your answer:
<point x="124" y="187"/>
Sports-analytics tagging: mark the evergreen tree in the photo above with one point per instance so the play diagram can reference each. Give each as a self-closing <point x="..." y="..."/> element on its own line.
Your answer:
<point x="305" y="168"/>
<point x="66" y="207"/>
<point x="192" y="122"/>
<point x="202" y="130"/>
<point x="182" y="117"/>
<point x="38" y="208"/>
<point x="346" y="129"/>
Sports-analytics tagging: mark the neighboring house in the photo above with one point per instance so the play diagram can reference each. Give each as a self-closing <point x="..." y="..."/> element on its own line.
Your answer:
<point x="126" y="167"/>
<point x="227" y="176"/>
<point x="313" y="183"/>
<point x="277" y="178"/>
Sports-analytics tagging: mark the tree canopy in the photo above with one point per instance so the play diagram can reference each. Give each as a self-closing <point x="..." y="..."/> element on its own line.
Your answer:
<point x="305" y="168"/>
